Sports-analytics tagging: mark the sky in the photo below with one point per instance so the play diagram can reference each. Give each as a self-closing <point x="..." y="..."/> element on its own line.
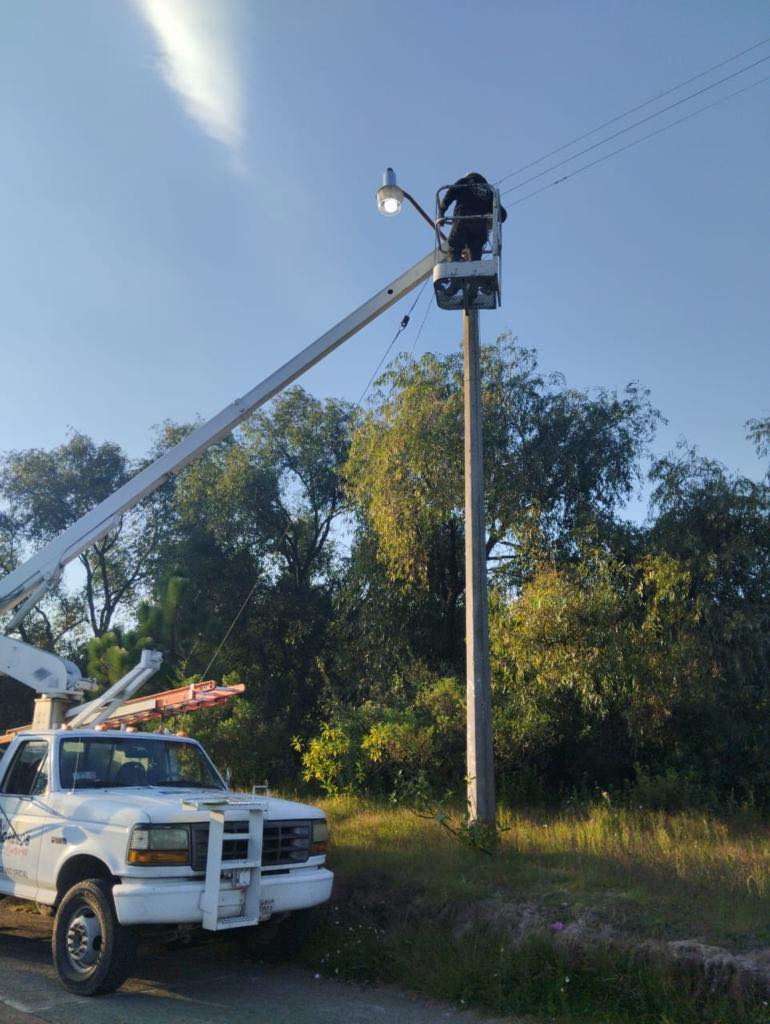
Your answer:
<point x="188" y="200"/>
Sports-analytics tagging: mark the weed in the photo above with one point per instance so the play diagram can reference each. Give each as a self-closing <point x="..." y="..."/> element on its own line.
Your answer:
<point x="415" y="906"/>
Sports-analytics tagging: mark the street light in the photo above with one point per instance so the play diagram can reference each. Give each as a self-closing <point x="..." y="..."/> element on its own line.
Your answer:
<point x="390" y="198"/>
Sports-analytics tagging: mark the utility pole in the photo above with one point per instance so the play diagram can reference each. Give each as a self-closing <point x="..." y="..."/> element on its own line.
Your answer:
<point x="468" y="285"/>
<point x="480" y="756"/>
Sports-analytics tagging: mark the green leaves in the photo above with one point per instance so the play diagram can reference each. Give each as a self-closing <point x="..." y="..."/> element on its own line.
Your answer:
<point x="554" y="458"/>
<point x="325" y="547"/>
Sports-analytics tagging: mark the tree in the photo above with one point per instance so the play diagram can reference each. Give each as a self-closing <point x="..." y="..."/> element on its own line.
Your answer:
<point x="555" y="458"/>
<point x="251" y="536"/>
<point x="8" y="543"/>
<point x="47" y="491"/>
<point x="718" y="526"/>
<point x="590" y="662"/>
<point x="53" y="619"/>
<point x="759" y="435"/>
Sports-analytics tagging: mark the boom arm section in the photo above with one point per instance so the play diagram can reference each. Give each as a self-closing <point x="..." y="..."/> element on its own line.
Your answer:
<point x="29" y="582"/>
<point x="40" y="670"/>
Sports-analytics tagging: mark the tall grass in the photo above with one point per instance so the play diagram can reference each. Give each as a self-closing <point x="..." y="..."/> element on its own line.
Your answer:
<point x="654" y="874"/>
<point x="412" y="906"/>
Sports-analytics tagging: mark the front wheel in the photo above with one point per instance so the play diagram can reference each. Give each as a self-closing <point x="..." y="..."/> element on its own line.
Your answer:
<point x="92" y="952"/>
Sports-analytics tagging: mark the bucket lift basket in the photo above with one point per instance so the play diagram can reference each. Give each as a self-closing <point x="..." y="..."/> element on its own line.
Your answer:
<point x="468" y="283"/>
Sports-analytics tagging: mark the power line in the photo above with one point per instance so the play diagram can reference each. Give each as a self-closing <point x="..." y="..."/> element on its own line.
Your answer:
<point x="231" y="627"/>
<point x="635" y="142"/>
<point x="636" y="124"/>
<point x="428" y="308"/>
<point x="633" y="110"/>
<point x="402" y="327"/>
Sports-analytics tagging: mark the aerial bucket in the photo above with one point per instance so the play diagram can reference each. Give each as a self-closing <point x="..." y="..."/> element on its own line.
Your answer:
<point x="468" y="283"/>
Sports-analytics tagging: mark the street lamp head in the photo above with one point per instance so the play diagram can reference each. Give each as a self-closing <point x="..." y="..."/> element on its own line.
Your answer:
<point x="390" y="196"/>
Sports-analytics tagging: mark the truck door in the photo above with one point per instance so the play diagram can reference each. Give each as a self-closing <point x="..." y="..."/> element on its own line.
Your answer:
<point x="23" y="818"/>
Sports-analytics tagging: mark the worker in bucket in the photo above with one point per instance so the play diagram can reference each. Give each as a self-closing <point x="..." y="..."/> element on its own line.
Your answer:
<point x="473" y="197"/>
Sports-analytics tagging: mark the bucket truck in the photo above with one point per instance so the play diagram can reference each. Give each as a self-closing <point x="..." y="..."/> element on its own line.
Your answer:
<point x="115" y="830"/>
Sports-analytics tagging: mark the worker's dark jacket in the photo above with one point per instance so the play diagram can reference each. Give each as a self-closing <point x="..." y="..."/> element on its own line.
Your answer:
<point x="473" y="196"/>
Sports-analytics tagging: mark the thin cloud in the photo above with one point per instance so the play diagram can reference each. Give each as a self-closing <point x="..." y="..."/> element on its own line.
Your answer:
<point x="199" y="62"/>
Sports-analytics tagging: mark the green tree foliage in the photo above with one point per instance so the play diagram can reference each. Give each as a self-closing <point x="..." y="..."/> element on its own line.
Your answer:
<point x="250" y="552"/>
<point x="242" y="744"/>
<point x="590" y="662"/>
<point x="718" y="527"/>
<point x="8" y="540"/>
<point x="555" y="458"/>
<point x="317" y="556"/>
<point x="50" y="625"/>
<point x="368" y="747"/>
<point x="47" y="491"/>
<point x="759" y="435"/>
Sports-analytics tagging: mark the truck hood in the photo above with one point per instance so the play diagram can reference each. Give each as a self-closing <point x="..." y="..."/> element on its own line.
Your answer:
<point x="128" y="806"/>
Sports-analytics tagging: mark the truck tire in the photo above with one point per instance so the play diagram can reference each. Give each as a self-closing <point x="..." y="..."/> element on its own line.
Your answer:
<point x="92" y="952"/>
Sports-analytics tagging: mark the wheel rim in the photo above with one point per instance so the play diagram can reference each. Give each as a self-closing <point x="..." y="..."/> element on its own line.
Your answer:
<point x="84" y="939"/>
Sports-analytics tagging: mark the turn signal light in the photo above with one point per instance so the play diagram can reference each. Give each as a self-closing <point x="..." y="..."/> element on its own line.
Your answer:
<point x="159" y="844"/>
<point x="157" y="856"/>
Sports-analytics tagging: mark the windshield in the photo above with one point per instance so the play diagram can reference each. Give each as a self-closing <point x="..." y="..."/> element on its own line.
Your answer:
<point x="104" y="762"/>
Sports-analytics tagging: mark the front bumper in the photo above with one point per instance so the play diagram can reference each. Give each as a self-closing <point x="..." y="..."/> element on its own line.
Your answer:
<point x="161" y="901"/>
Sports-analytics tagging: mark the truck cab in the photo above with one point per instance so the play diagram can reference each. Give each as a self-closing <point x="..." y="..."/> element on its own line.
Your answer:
<point x="116" y="830"/>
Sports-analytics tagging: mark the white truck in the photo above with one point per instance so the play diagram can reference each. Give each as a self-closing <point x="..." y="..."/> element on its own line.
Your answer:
<point x="119" y="830"/>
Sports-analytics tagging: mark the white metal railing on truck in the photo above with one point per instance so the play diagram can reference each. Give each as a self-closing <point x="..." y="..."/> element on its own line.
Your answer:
<point x="216" y="864"/>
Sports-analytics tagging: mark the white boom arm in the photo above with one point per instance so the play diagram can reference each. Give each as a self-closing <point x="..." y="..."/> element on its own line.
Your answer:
<point x="99" y="710"/>
<point x="27" y="584"/>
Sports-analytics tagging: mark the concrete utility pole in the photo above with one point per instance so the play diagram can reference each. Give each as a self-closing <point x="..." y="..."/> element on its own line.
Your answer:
<point x="468" y="285"/>
<point x="480" y="756"/>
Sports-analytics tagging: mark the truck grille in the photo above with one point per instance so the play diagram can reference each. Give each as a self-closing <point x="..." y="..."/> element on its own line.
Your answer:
<point x="283" y="842"/>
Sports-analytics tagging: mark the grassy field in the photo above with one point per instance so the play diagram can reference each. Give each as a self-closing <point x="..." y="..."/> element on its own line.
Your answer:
<point x="551" y="924"/>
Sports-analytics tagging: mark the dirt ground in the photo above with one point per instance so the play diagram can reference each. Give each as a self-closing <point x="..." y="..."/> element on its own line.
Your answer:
<point x="192" y="985"/>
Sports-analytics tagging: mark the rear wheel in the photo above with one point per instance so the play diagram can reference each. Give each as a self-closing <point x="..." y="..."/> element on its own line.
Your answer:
<point x="92" y="952"/>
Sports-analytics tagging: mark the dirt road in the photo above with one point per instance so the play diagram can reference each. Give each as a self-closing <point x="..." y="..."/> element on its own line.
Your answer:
<point x="190" y="987"/>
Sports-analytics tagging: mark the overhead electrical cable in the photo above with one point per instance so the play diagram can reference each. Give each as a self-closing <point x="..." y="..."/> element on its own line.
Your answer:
<point x="636" y="124"/>
<point x="633" y="110"/>
<point x="635" y="142"/>
<point x="402" y="327"/>
<point x="238" y="614"/>
<point x="428" y="308"/>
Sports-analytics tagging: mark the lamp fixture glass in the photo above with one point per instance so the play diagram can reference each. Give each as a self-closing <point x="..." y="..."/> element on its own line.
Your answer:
<point x="390" y="196"/>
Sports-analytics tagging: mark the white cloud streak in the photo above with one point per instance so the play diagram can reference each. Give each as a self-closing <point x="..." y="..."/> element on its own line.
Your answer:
<point x="199" y="61"/>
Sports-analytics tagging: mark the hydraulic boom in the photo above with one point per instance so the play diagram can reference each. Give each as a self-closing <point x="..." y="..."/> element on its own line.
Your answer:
<point x="23" y="588"/>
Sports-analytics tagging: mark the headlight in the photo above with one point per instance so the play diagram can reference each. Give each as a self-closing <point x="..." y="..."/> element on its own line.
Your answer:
<point x="320" y="843"/>
<point x="159" y="844"/>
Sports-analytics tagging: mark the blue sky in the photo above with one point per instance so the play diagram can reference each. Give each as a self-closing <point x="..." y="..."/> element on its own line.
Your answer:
<point x="188" y="200"/>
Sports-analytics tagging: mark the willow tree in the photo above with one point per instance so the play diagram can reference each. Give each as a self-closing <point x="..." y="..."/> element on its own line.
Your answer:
<point x="555" y="459"/>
